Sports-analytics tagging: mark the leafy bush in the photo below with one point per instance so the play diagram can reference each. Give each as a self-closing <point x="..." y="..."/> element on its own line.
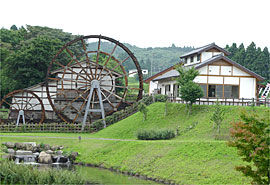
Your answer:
<point x="156" y="134"/>
<point x="251" y="138"/>
<point x="160" y="98"/>
<point x="97" y="125"/>
<point x="147" y="100"/>
<point x="10" y="173"/>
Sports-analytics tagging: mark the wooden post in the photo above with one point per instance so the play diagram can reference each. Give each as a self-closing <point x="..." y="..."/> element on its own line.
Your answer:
<point x="225" y="100"/>
<point x="233" y="101"/>
<point x="199" y="101"/>
<point x="242" y="101"/>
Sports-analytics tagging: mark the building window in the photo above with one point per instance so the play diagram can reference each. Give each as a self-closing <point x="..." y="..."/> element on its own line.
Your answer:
<point x="167" y="89"/>
<point x="198" y="57"/>
<point x="175" y="90"/>
<point x="185" y="60"/>
<point x="215" y="91"/>
<point x="231" y="91"/>
<point x="191" y="59"/>
<point x="204" y="87"/>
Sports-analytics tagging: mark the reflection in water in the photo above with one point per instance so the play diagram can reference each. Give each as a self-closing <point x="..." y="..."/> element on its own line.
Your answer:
<point x="102" y="176"/>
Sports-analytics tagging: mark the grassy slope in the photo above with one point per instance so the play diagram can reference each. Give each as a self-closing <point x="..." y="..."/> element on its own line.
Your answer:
<point x="177" y="117"/>
<point x="192" y="158"/>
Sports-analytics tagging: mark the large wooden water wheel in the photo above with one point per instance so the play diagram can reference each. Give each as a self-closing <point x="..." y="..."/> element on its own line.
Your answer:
<point x="83" y="61"/>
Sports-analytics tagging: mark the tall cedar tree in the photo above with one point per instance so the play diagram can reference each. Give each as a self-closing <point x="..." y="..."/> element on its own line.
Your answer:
<point x="253" y="58"/>
<point x="251" y="137"/>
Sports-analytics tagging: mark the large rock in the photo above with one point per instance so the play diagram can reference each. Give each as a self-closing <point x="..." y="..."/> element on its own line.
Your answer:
<point x="10" y="144"/>
<point x="49" y="152"/>
<point x="54" y="148"/>
<point x="45" y="158"/>
<point x="11" y="151"/>
<point x="24" y="152"/>
<point x="30" y="145"/>
<point x="47" y="147"/>
<point x="19" y="146"/>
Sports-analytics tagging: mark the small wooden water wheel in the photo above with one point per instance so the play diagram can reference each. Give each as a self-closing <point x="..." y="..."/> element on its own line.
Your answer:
<point x="26" y="103"/>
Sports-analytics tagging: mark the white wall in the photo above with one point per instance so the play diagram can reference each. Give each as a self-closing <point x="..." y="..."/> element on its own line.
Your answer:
<point x="231" y="80"/>
<point x="200" y="79"/>
<point x="206" y="55"/>
<point x="238" y="72"/>
<point x="247" y="88"/>
<point x="152" y="86"/>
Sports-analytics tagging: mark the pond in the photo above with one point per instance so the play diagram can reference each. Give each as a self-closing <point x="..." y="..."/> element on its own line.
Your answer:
<point x="103" y="176"/>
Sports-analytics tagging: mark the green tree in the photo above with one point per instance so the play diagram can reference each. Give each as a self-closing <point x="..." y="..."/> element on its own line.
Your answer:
<point x="217" y="117"/>
<point x="143" y="109"/>
<point x="26" y="54"/>
<point x="189" y="90"/>
<point x="28" y="65"/>
<point x="251" y="137"/>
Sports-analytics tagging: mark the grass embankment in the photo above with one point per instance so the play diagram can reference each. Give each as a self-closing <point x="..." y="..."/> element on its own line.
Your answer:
<point x="194" y="157"/>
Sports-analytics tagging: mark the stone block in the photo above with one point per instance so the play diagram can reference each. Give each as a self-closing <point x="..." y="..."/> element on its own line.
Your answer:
<point x="24" y="152"/>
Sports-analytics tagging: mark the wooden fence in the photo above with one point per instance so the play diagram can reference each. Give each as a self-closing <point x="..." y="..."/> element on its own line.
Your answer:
<point x="233" y="102"/>
<point x="45" y="127"/>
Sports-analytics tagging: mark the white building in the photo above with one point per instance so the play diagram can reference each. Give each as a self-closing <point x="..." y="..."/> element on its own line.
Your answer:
<point x="133" y="72"/>
<point x="219" y="77"/>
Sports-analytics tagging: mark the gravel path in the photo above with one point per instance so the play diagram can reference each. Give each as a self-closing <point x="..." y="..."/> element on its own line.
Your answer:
<point x="54" y="137"/>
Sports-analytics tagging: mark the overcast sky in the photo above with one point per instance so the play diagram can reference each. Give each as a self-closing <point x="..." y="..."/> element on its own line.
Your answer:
<point x="149" y="23"/>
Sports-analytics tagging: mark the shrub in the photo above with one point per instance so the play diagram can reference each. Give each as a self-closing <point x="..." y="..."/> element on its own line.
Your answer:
<point x="10" y="173"/>
<point x="143" y="109"/>
<point x="251" y="138"/>
<point x="160" y="98"/>
<point x="147" y="100"/>
<point x="156" y="134"/>
<point x="97" y="125"/>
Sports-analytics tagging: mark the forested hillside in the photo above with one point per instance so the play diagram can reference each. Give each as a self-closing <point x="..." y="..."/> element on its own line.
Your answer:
<point x="158" y="58"/>
<point x="27" y="52"/>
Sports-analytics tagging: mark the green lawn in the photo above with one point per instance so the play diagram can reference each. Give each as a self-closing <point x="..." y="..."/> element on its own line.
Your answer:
<point x="194" y="157"/>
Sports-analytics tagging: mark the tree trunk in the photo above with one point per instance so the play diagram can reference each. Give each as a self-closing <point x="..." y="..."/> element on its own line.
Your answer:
<point x="190" y="107"/>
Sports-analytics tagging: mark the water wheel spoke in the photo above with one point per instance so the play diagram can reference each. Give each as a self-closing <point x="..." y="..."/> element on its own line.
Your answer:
<point x="121" y="63"/>
<point x="117" y="86"/>
<point x="28" y="102"/>
<point x="87" y="58"/>
<point x="107" y="100"/>
<point x="134" y="88"/>
<point x="77" y="115"/>
<point x="110" y="56"/>
<point x="98" y="51"/>
<point x="113" y="94"/>
<point x="70" y="103"/>
<point x="78" y="63"/>
<point x="32" y="106"/>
